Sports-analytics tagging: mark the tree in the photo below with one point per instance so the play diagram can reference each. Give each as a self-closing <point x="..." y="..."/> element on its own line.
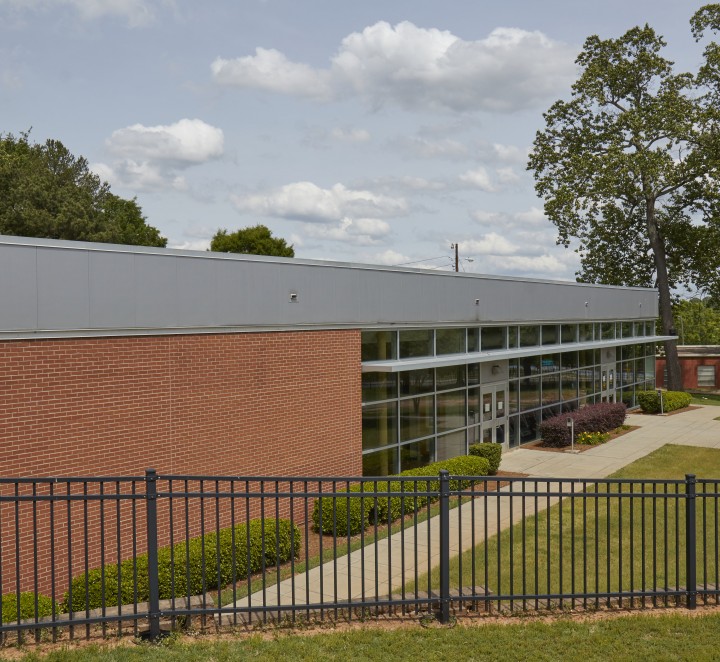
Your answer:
<point x="45" y="191"/>
<point x="256" y="240"/>
<point x="629" y="167"/>
<point x="698" y="322"/>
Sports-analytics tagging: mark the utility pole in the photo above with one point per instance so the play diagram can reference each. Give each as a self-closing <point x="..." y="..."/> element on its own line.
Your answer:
<point x="457" y="261"/>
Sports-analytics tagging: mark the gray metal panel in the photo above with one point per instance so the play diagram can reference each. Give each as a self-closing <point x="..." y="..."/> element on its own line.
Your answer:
<point x="63" y="289"/>
<point x="112" y="289"/>
<point x="145" y="289"/>
<point x="18" y="287"/>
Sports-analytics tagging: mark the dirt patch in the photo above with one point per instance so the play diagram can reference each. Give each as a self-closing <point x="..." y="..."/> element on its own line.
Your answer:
<point x="579" y="448"/>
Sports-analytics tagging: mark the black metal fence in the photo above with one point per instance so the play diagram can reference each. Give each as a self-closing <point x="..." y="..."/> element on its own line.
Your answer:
<point x="143" y="554"/>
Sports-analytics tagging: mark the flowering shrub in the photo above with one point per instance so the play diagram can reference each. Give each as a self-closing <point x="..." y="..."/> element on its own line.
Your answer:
<point x="600" y="417"/>
<point x="592" y="438"/>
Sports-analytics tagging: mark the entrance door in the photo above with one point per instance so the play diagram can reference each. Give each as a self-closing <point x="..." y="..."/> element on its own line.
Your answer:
<point x="607" y="382"/>
<point x="494" y="413"/>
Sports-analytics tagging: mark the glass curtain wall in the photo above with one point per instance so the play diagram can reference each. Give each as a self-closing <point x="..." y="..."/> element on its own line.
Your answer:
<point x="413" y="417"/>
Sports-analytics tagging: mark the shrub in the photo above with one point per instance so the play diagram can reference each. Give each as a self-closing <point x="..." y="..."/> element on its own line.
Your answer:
<point x="27" y="606"/>
<point x="592" y="438"/>
<point x="195" y="566"/>
<point x="491" y="452"/>
<point x="342" y="516"/>
<point x="600" y="417"/>
<point x="650" y="401"/>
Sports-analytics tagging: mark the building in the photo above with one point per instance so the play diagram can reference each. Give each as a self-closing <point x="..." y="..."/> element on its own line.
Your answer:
<point x="115" y="358"/>
<point x="699" y="365"/>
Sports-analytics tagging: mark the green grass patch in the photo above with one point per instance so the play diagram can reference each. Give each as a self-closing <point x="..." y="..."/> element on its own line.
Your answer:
<point x="705" y="399"/>
<point x="597" y="544"/>
<point x="666" y="637"/>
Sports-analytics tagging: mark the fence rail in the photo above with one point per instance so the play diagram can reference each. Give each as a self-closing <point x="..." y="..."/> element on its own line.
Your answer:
<point x="141" y="554"/>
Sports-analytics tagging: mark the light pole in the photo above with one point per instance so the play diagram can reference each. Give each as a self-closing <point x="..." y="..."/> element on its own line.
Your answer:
<point x="659" y="392"/>
<point x="571" y="425"/>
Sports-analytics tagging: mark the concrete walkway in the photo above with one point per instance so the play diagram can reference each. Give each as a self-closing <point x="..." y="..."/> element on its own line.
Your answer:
<point x="381" y="569"/>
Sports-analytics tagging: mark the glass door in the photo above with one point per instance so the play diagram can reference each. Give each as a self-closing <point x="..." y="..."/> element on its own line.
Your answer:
<point x="494" y="413"/>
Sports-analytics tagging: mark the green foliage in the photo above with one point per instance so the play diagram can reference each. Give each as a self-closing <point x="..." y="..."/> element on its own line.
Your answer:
<point x="491" y="452"/>
<point x="649" y="401"/>
<point x="343" y="516"/>
<point x="629" y="168"/>
<point x="27" y="606"/>
<point x="193" y="567"/>
<point x="255" y="240"/>
<point x="698" y="323"/>
<point x="47" y="192"/>
<point x="592" y="438"/>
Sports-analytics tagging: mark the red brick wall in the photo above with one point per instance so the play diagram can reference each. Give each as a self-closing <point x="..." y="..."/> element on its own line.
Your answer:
<point x="688" y="368"/>
<point x="283" y="404"/>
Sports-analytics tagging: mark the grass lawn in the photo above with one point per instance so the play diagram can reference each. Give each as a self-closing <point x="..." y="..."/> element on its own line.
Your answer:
<point x="705" y="399"/>
<point x="593" y="544"/>
<point x="666" y="637"/>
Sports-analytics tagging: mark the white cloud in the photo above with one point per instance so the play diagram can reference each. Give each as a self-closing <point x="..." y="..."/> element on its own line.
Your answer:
<point x="137" y="13"/>
<point x="490" y="244"/>
<point x="308" y="202"/>
<point x="418" y="68"/>
<point x="405" y="183"/>
<point x="532" y="218"/>
<point x="478" y="178"/>
<point x="152" y="157"/>
<point x="426" y="148"/>
<point x="350" y="135"/>
<point x="322" y="138"/>
<point x="361" y="231"/>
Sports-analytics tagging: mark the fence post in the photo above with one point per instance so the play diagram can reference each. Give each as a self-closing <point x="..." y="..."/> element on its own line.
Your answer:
<point x="690" y="542"/>
<point x="152" y="548"/>
<point x="444" y="614"/>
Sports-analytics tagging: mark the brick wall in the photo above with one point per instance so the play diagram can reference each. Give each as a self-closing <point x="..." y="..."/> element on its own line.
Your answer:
<point x="688" y="368"/>
<point x="284" y="403"/>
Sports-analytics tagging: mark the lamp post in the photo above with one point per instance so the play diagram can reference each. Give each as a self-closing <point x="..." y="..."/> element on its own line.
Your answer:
<point x="571" y="425"/>
<point x="659" y="392"/>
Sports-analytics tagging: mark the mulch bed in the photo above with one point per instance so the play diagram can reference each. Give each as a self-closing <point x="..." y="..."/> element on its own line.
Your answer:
<point x="639" y="412"/>
<point x="579" y="448"/>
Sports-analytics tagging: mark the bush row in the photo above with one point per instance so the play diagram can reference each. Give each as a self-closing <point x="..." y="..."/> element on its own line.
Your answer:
<point x="27" y="606"/>
<point x="491" y="452"/>
<point x="193" y="567"/>
<point x="600" y="417"/>
<point x="343" y="516"/>
<point x="649" y="401"/>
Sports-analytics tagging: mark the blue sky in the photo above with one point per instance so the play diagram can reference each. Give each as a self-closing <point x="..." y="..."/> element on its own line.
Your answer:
<point x="376" y="132"/>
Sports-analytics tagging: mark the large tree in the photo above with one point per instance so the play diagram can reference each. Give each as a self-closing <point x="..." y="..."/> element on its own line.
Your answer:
<point x="45" y="191"/>
<point x="698" y="322"/>
<point x="629" y="166"/>
<point x="256" y="240"/>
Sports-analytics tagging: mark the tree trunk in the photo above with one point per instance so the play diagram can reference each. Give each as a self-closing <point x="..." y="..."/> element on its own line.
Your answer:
<point x="657" y="244"/>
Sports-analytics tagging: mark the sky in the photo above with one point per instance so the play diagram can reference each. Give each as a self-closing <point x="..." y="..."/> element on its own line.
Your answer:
<point x="373" y="132"/>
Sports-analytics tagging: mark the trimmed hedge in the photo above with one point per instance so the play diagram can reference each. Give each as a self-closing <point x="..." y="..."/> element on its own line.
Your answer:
<point x="182" y="565"/>
<point x="649" y="401"/>
<point x="344" y="516"/>
<point x="27" y="606"/>
<point x="600" y="417"/>
<point x="491" y="452"/>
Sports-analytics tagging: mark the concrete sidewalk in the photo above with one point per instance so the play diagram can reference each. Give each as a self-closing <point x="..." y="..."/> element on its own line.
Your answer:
<point x="381" y="569"/>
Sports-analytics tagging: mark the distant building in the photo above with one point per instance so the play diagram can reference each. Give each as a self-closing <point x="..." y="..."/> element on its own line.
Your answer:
<point x="116" y="358"/>
<point x="700" y="366"/>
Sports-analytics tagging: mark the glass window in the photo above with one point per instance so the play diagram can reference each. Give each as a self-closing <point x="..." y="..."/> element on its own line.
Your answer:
<point x="474" y="406"/>
<point x="378" y="345"/>
<point x="473" y="374"/>
<point x="450" y="341"/>
<point x="569" y="333"/>
<point x="569" y="360"/>
<point x="639" y="370"/>
<point x="586" y="357"/>
<point x="529" y="427"/>
<point x="513" y="368"/>
<point x="639" y="329"/>
<point x="451" y="409"/>
<point x="473" y="340"/>
<point x="585" y="332"/>
<point x="452" y="376"/>
<point x="417" y="454"/>
<point x="487" y="406"/>
<point x="529" y="365"/>
<point x="607" y="329"/>
<point x="381" y="463"/>
<point x="451" y="445"/>
<point x="649" y="328"/>
<point x="550" y="363"/>
<point x="569" y="385"/>
<point x="529" y="393"/>
<point x="493" y="337"/>
<point x="513" y="393"/>
<point x="417" y="417"/>
<point x="627" y="377"/>
<point x="706" y="375"/>
<point x="474" y="435"/>
<point x="586" y="382"/>
<point x="416" y="343"/>
<point x="529" y="336"/>
<point x="550" y="388"/>
<point x="626" y="329"/>
<point x="550" y="334"/>
<point x="378" y="386"/>
<point x="413" y="382"/>
<point x="512" y="337"/>
<point x="379" y="425"/>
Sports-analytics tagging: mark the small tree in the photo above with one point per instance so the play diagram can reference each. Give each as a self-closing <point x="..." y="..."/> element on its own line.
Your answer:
<point x="45" y="191"/>
<point x="255" y="240"/>
<point x="630" y="167"/>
